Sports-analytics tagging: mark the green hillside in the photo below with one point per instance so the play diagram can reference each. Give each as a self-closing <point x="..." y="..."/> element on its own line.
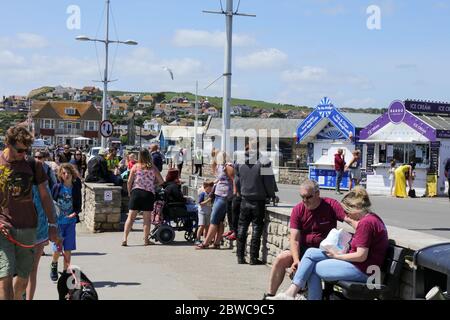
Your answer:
<point x="217" y="101"/>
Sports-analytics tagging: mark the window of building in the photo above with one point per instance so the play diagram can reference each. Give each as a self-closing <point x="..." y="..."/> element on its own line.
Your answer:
<point x="47" y="124"/>
<point x="406" y="153"/>
<point x="91" y="126"/>
<point x="70" y="111"/>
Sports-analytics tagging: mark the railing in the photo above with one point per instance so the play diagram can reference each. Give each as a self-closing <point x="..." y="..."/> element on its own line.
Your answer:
<point x="69" y="131"/>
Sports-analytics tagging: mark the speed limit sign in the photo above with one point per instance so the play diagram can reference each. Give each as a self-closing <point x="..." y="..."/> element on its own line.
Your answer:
<point x="106" y="128"/>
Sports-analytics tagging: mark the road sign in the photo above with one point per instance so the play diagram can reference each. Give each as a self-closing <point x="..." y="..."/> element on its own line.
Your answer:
<point x="106" y="128"/>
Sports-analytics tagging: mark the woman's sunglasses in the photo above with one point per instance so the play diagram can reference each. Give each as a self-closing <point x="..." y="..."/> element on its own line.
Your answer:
<point x="19" y="150"/>
<point x="38" y="157"/>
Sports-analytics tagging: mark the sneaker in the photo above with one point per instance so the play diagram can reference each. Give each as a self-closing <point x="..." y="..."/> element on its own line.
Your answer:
<point x="280" y="296"/>
<point x="267" y="295"/>
<point x="54" y="271"/>
<point x="226" y="234"/>
<point x="256" y="262"/>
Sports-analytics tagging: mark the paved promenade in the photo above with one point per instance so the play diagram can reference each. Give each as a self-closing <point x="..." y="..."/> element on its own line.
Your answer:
<point x="173" y="272"/>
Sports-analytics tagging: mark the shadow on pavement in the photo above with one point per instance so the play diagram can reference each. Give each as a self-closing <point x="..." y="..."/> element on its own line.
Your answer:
<point x="111" y="284"/>
<point x="432" y="229"/>
<point x="88" y="254"/>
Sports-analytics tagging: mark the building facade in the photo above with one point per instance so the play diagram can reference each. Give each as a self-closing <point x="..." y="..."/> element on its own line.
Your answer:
<point x="61" y="122"/>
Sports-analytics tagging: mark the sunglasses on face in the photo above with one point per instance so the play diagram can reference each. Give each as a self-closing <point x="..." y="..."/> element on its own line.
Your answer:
<point x="309" y="197"/>
<point x="38" y="157"/>
<point x="78" y="154"/>
<point x="20" y="150"/>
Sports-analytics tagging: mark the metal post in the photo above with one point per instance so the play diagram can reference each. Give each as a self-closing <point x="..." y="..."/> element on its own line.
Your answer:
<point x="105" y="81"/>
<point x="194" y="154"/>
<point x="226" y="103"/>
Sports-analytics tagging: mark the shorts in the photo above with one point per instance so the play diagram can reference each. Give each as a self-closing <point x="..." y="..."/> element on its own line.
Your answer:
<point x="68" y="233"/>
<point x="141" y="200"/>
<point x="355" y="173"/>
<point x="14" y="259"/>
<point x="204" y="219"/>
<point x="219" y="210"/>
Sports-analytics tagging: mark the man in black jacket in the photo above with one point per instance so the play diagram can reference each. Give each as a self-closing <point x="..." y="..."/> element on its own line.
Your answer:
<point x="257" y="184"/>
<point x="98" y="169"/>
<point x="157" y="157"/>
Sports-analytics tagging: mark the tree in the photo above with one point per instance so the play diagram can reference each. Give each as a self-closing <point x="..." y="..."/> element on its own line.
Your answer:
<point x="124" y="140"/>
<point x="160" y="96"/>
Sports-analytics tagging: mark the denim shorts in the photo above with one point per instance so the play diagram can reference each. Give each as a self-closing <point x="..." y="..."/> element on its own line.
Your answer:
<point x="68" y="233"/>
<point x="219" y="210"/>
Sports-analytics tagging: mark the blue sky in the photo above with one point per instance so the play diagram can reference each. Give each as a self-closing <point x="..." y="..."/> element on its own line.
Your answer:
<point x="294" y="51"/>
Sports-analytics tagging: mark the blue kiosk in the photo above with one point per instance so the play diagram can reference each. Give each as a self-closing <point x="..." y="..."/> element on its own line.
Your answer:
<point x="325" y="130"/>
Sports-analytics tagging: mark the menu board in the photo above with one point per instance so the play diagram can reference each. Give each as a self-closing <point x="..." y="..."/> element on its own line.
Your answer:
<point x="434" y="157"/>
<point x="327" y="178"/>
<point x="370" y="158"/>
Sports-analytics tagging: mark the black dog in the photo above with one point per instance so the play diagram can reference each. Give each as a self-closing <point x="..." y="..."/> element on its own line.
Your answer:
<point x="83" y="288"/>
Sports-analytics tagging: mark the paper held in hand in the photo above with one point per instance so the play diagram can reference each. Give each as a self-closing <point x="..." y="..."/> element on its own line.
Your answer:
<point x="337" y="241"/>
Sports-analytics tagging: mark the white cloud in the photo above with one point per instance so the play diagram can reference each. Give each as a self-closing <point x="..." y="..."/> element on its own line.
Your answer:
<point x="267" y="58"/>
<point x="31" y="41"/>
<point x="8" y="58"/>
<point x="305" y="74"/>
<point x="24" y="41"/>
<point x="202" y="38"/>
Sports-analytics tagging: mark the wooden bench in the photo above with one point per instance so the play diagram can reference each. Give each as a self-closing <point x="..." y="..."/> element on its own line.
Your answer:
<point x="391" y="273"/>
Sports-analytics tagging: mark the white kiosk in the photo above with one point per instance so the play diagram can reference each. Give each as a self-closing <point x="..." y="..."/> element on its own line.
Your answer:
<point x="410" y="131"/>
<point x="326" y="130"/>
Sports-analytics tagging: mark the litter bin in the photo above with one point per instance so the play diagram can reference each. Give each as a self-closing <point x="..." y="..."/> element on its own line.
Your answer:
<point x="432" y="268"/>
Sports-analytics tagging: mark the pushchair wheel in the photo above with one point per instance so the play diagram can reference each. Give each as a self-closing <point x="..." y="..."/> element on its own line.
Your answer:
<point x="165" y="234"/>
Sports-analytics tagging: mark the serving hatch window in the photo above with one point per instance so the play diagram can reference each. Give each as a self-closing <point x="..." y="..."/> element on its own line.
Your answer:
<point x="405" y="153"/>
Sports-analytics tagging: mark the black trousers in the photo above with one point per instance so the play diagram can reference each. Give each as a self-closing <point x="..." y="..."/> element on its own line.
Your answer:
<point x="198" y="169"/>
<point x="236" y="212"/>
<point x="253" y="212"/>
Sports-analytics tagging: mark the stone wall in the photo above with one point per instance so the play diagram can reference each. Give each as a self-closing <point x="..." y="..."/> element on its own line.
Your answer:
<point x="292" y="176"/>
<point x="286" y="175"/>
<point x="102" y="206"/>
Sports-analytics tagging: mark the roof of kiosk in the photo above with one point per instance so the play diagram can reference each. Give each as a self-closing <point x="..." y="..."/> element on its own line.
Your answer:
<point x="326" y="113"/>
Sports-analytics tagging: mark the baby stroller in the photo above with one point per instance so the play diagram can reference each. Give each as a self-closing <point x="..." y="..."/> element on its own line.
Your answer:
<point x="174" y="216"/>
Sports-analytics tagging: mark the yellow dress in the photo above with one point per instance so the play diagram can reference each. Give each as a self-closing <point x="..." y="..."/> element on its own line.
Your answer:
<point x="400" y="181"/>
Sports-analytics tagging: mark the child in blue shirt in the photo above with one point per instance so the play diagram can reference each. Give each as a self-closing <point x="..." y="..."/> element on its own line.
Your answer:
<point x="204" y="210"/>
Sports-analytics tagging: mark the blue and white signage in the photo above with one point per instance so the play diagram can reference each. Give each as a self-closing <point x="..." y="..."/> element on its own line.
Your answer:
<point x="326" y="110"/>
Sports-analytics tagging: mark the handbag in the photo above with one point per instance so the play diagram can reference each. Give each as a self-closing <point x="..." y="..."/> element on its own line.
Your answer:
<point x="337" y="241"/>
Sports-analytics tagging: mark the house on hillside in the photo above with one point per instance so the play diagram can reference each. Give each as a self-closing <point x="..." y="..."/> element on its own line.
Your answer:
<point x="59" y="122"/>
<point x="146" y="102"/>
<point x="153" y="125"/>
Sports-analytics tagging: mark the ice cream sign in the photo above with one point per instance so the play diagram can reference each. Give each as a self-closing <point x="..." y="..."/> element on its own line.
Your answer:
<point x="398" y="114"/>
<point x="325" y="110"/>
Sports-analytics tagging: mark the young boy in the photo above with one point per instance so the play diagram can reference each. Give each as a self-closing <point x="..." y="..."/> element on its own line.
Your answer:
<point x="204" y="210"/>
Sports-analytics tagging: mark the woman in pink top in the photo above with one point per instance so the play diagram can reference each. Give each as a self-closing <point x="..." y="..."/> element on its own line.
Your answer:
<point x="141" y="189"/>
<point x="367" y="252"/>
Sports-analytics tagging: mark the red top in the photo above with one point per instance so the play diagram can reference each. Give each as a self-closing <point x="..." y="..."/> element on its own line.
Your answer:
<point x="131" y="164"/>
<point x="371" y="233"/>
<point x="339" y="162"/>
<point x="314" y="225"/>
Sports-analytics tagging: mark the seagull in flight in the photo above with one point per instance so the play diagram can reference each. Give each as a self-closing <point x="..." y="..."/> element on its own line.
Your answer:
<point x="170" y="71"/>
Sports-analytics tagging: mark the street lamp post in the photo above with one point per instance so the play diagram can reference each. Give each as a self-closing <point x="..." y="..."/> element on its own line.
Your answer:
<point x="105" y="80"/>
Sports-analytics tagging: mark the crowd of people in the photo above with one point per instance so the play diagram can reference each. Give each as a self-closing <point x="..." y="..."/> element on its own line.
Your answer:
<point x="40" y="199"/>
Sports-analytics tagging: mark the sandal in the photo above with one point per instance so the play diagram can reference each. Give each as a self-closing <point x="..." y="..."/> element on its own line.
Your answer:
<point x="148" y="243"/>
<point x="124" y="243"/>
<point x="201" y="246"/>
<point x="216" y="246"/>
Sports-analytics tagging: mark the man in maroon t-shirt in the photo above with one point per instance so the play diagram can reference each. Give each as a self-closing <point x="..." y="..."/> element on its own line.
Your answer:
<point x="339" y="166"/>
<point x="311" y="221"/>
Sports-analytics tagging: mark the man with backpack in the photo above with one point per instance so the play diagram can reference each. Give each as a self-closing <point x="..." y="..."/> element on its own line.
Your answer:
<point x="40" y="157"/>
<point x="257" y="184"/>
<point x="18" y="218"/>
